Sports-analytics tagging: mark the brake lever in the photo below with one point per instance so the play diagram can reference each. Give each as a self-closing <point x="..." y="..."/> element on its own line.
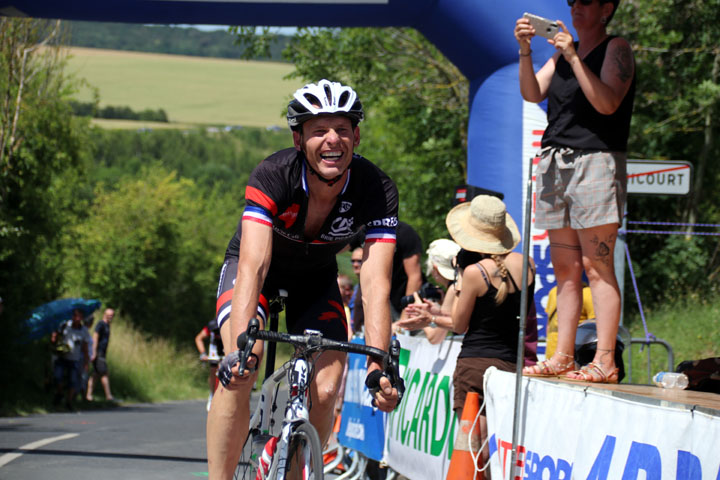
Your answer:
<point x="246" y="342"/>
<point x="393" y="369"/>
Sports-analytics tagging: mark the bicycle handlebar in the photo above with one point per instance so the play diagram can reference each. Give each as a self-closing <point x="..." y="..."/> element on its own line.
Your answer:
<point x="316" y="342"/>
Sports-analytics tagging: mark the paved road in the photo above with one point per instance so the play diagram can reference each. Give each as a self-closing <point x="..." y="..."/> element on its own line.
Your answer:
<point x="144" y="441"/>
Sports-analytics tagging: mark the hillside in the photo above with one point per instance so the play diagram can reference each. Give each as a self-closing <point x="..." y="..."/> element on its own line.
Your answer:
<point x="161" y="39"/>
<point x="192" y="90"/>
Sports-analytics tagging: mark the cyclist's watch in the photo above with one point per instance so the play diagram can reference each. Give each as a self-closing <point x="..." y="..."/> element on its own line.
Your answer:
<point x="432" y="323"/>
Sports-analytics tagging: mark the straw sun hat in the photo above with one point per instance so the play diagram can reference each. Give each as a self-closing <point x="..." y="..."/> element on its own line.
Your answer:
<point x="483" y="225"/>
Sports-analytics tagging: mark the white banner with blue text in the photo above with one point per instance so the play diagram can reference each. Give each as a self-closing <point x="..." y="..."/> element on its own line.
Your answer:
<point x="420" y="433"/>
<point x="570" y="432"/>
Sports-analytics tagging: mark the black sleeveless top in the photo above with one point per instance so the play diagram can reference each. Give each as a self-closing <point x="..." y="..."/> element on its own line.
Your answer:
<point x="493" y="329"/>
<point x="573" y="121"/>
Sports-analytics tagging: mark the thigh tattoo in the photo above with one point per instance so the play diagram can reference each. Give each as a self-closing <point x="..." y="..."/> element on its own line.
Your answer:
<point x="602" y="249"/>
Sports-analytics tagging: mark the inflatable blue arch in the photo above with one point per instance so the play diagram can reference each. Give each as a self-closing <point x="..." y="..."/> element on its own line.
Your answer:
<point x="476" y="35"/>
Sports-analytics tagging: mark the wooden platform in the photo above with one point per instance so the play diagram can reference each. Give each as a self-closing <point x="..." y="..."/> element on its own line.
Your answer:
<point x="650" y="394"/>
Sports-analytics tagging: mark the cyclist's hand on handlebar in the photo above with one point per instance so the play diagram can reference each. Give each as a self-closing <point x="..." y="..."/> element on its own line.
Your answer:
<point x="385" y="395"/>
<point x="228" y="370"/>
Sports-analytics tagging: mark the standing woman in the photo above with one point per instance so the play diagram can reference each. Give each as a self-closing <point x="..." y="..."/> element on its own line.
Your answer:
<point x="581" y="177"/>
<point x="487" y="304"/>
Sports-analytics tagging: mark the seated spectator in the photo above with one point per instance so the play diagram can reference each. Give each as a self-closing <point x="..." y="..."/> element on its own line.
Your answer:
<point x="587" y="313"/>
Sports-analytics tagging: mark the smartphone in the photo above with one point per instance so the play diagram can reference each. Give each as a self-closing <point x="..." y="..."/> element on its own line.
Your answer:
<point x="543" y="26"/>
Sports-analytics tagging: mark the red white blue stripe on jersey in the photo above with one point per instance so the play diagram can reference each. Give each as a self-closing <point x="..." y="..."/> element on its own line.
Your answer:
<point x="257" y="196"/>
<point x="380" y="235"/>
<point x="257" y="214"/>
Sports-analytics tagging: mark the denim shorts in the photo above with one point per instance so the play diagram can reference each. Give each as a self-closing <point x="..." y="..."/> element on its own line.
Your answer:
<point x="579" y="188"/>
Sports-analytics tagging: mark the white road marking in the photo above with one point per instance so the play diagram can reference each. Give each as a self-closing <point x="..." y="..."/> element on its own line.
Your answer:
<point x="9" y="457"/>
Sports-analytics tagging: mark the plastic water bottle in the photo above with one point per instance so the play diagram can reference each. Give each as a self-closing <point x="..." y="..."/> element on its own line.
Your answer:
<point x="671" y="380"/>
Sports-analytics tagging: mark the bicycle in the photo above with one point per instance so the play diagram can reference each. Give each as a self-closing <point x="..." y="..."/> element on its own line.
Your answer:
<point x="297" y="446"/>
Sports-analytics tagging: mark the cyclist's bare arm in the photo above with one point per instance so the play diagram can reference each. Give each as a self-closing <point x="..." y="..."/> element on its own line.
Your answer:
<point x="375" y="283"/>
<point x="253" y="265"/>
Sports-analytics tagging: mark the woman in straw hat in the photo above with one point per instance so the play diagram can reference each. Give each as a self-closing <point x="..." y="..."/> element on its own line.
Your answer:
<point x="488" y="294"/>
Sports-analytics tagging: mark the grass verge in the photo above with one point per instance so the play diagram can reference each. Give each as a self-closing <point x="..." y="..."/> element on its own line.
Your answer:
<point x="690" y="325"/>
<point x="146" y="369"/>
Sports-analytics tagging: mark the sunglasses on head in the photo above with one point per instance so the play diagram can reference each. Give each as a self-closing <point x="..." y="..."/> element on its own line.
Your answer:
<point x="583" y="2"/>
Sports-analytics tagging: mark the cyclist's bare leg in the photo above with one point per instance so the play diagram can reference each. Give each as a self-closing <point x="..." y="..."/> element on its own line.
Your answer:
<point x="324" y="389"/>
<point x="227" y="424"/>
<point x="227" y="428"/>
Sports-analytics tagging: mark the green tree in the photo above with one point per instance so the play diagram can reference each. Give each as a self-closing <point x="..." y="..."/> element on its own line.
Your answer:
<point x="676" y="116"/>
<point x="417" y="114"/>
<point x="41" y="166"/>
<point x="152" y="248"/>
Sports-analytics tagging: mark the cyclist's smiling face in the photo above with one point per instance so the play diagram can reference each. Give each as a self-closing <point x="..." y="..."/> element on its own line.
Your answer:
<point x="328" y="142"/>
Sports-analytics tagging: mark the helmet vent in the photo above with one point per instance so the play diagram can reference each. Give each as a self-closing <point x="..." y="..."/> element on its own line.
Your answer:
<point x="313" y="100"/>
<point x="325" y="97"/>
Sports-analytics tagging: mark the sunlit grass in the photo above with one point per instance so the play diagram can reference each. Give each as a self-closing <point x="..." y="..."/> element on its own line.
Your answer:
<point x="191" y="90"/>
<point x="691" y="326"/>
<point x="149" y="369"/>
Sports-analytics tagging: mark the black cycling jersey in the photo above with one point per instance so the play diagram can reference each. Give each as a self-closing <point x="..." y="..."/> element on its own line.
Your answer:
<point x="277" y="195"/>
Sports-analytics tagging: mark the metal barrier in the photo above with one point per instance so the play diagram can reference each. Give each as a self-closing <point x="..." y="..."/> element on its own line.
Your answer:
<point x="647" y="342"/>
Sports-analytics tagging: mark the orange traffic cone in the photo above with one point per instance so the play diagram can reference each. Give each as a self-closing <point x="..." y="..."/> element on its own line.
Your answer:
<point x="462" y="465"/>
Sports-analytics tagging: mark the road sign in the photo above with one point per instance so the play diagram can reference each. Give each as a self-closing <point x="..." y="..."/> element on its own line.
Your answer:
<point x="657" y="177"/>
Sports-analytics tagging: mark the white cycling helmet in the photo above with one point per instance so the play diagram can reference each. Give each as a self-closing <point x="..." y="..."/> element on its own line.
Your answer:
<point x="324" y="97"/>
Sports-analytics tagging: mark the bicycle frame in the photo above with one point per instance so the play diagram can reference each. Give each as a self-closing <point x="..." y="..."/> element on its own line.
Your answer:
<point x="298" y="372"/>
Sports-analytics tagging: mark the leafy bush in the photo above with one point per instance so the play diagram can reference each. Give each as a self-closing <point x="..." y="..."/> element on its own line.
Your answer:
<point x="152" y="249"/>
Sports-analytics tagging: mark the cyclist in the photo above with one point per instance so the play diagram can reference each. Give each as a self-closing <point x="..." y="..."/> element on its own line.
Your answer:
<point x="302" y="206"/>
<point x="213" y="356"/>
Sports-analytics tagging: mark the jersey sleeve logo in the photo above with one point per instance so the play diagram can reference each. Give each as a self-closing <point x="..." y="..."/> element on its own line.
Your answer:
<point x="290" y="215"/>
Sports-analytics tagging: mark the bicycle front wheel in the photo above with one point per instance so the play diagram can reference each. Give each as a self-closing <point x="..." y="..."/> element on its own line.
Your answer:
<point x="305" y="458"/>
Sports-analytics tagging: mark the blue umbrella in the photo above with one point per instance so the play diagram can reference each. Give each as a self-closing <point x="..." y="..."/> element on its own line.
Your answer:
<point x="45" y="319"/>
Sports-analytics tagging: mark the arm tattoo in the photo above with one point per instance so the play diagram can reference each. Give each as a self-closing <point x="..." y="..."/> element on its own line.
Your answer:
<point x="624" y="63"/>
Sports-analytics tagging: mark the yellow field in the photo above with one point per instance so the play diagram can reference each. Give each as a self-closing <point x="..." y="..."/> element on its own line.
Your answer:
<point x="191" y="90"/>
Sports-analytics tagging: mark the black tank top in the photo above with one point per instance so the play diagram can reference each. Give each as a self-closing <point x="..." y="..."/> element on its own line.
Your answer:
<point x="493" y="329"/>
<point x="573" y="121"/>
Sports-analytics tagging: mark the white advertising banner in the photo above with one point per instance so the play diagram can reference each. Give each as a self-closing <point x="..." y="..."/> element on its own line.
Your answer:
<point x="574" y="433"/>
<point x="420" y="433"/>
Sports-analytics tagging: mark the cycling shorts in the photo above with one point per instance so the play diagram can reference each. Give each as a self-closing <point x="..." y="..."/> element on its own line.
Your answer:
<point x="313" y="300"/>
